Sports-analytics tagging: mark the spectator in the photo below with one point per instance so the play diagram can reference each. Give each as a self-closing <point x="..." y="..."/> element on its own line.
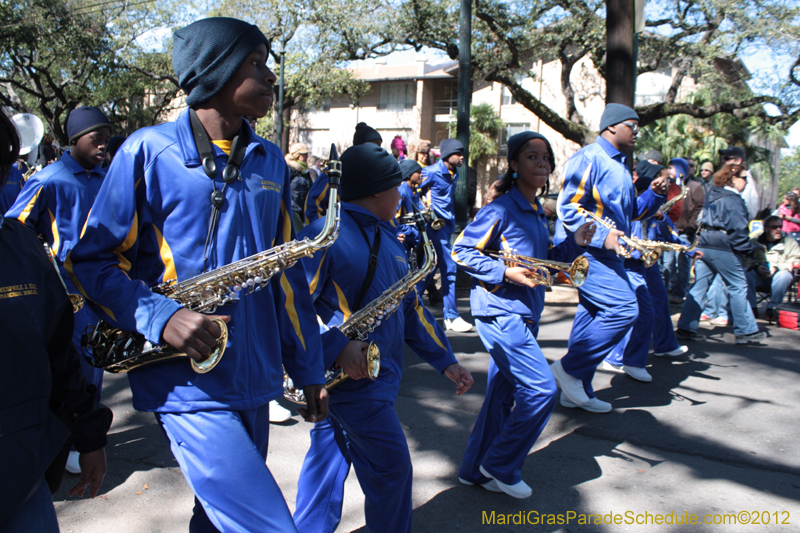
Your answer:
<point x="297" y="159"/>
<point x="789" y="213"/>
<point x="706" y="173"/>
<point x="772" y="265"/>
<point x="47" y="154"/>
<point x="723" y="242"/>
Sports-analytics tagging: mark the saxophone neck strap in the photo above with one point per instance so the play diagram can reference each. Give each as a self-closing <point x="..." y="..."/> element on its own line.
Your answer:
<point x="201" y="139"/>
<point x="373" y="262"/>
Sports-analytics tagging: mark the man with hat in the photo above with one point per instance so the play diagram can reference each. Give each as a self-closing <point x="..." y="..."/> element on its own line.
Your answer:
<point x="55" y="203"/>
<point x="438" y="186"/>
<point x="597" y="179"/>
<point x="363" y="428"/>
<point x="706" y="173"/>
<point x="409" y="201"/>
<point x="192" y="196"/>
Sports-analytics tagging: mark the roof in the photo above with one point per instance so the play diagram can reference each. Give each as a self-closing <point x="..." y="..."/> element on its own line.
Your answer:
<point x="413" y="71"/>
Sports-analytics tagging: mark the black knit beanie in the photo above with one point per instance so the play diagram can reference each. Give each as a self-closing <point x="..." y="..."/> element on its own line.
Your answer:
<point x="515" y="142"/>
<point x="365" y="134"/>
<point x="616" y="113"/>
<point x="449" y="147"/>
<point x="85" y="120"/>
<point x="368" y="169"/>
<point x="207" y="53"/>
<point x="408" y="167"/>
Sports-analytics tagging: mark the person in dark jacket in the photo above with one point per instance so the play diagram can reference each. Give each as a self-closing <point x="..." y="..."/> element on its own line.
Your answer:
<point x="44" y="399"/>
<point x="724" y="240"/>
<point x="297" y="160"/>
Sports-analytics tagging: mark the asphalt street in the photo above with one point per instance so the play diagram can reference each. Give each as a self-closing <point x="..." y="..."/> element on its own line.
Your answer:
<point x="713" y="437"/>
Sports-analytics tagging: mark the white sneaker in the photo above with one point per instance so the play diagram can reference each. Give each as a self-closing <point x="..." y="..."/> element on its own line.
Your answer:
<point x="278" y="413"/>
<point x="605" y="365"/>
<point x="519" y="489"/>
<point x="73" y="464"/>
<point x="572" y="387"/>
<point x="637" y="373"/>
<point x="680" y="350"/>
<point x="593" y="406"/>
<point x="459" y="325"/>
<point x="490" y="485"/>
<point x="722" y="322"/>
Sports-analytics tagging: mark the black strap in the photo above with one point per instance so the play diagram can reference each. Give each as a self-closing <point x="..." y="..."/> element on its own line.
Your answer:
<point x="229" y="174"/>
<point x="373" y="263"/>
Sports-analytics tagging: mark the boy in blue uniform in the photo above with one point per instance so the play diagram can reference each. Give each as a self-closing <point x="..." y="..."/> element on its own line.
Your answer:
<point x="409" y="201"/>
<point x="151" y="225"/>
<point x="438" y="183"/>
<point x="363" y="428"/>
<point x="55" y="203"/>
<point x="597" y="179"/>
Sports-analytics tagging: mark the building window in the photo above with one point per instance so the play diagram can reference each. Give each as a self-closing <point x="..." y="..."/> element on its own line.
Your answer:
<point x="397" y="96"/>
<point x="507" y="132"/>
<point x="507" y="98"/>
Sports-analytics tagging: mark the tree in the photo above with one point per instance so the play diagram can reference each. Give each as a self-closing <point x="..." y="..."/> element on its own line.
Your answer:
<point x="484" y="128"/>
<point x="699" y="38"/>
<point x="58" y="55"/>
<point x="789" y="173"/>
<point x="320" y="35"/>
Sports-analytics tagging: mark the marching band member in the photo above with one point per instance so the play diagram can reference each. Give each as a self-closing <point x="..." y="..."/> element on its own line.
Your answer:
<point x="409" y="201"/>
<point x="438" y="183"/>
<point x="11" y="189"/>
<point x="506" y="304"/>
<point x="317" y="198"/>
<point x="597" y="179"/>
<point x="363" y="428"/>
<point x="44" y="399"/>
<point x="55" y="203"/>
<point x="630" y="355"/>
<point x="151" y="224"/>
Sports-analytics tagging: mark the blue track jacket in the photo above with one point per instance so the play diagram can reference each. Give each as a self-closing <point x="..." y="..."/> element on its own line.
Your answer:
<point x="509" y="222"/>
<point x="149" y="225"/>
<point x="11" y="188"/>
<point x="55" y="203"/>
<point x="597" y="179"/>
<point x="335" y="278"/>
<point x="317" y="199"/>
<point x="408" y="201"/>
<point x="437" y="184"/>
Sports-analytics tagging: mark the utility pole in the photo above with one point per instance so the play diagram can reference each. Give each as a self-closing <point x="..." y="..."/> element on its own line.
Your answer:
<point x="464" y="101"/>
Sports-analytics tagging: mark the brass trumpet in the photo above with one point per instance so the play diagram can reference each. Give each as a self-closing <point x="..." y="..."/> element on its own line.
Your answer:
<point x="427" y="214"/>
<point x="577" y="270"/>
<point x="629" y="244"/>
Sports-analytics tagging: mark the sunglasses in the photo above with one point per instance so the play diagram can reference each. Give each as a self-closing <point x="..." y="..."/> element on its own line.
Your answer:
<point x="634" y="127"/>
<point x="774" y="227"/>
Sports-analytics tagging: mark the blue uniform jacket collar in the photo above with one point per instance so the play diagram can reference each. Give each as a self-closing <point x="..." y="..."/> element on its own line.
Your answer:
<point x="446" y="173"/>
<point x="364" y="218"/>
<point x="608" y="148"/>
<point x="523" y="202"/>
<point x="76" y="168"/>
<point x="191" y="157"/>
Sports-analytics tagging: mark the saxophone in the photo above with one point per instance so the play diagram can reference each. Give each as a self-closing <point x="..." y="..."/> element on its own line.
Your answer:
<point x="76" y="300"/>
<point x="629" y="244"/>
<point x="119" y="351"/>
<point x="365" y="320"/>
<point x="666" y="206"/>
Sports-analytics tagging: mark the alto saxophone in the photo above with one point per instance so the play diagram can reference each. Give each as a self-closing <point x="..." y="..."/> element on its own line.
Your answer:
<point x="119" y="351"/>
<point x="427" y="214"/>
<point x="76" y="300"/>
<point x="365" y="320"/>
<point x="540" y="275"/>
<point x="629" y="244"/>
<point x="666" y="206"/>
<point x="662" y="245"/>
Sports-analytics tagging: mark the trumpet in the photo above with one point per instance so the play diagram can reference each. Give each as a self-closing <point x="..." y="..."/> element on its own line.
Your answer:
<point x="428" y="216"/>
<point x="540" y="274"/>
<point x="630" y="244"/>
